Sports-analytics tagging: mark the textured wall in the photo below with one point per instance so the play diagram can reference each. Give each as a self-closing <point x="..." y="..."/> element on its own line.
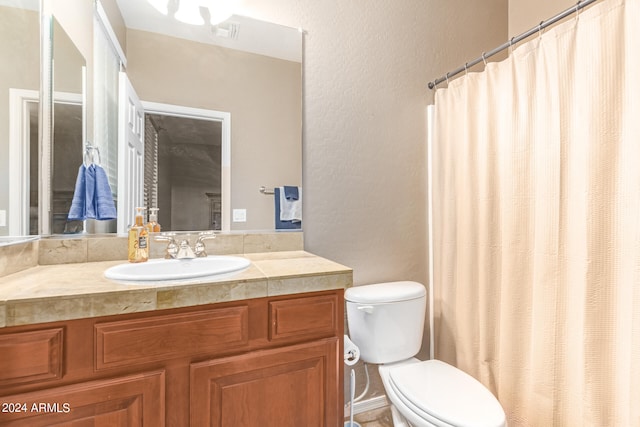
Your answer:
<point x="526" y="14"/>
<point x="366" y="70"/>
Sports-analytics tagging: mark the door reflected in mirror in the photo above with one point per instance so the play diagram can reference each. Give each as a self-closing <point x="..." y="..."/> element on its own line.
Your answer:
<point x="182" y="171"/>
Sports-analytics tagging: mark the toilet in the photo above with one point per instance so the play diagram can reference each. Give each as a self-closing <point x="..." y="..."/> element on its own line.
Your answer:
<point x="386" y="322"/>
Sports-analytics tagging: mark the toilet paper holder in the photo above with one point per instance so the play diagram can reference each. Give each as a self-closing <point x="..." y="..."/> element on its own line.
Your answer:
<point x="351" y="352"/>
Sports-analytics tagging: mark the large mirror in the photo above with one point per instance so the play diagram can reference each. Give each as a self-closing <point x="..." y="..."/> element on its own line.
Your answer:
<point x="248" y="69"/>
<point x="19" y="96"/>
<point x="243" y="67"/>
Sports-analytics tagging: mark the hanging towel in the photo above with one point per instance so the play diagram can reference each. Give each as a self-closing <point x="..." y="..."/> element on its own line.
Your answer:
<point x="78" y="210"/>
<point x="283" y="225"/>
<point x="291" y="193"/>
<point x="92" y="197"/>
<point x="100" y="203"/>
<point x="290" y="208"/>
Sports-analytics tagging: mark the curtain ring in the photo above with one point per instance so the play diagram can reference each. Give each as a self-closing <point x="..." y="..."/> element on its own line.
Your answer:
<point x="577" y="12"/>
<point x="466" y="68"/>
<point x="446" y="77"/>
<point x="540" y="28"/>
<point x="484" y="59"/>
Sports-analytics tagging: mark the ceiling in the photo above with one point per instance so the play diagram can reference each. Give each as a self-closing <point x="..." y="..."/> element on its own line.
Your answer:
<point x="238" y="32"/>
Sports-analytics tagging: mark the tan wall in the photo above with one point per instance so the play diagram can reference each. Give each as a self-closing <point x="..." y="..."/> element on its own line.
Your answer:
<point x="526" y="14"/>
<point x="20" y="59"/>
<point x="262" y="94"/>
<point x="365" y="96"/>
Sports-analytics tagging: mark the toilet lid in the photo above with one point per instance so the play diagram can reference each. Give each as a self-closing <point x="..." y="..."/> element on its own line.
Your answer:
<point x="447" y="394"/>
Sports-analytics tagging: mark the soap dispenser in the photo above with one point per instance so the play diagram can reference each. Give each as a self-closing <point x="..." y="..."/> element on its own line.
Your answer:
<point x="152" y="225"/>
<point x="139" y="239"/>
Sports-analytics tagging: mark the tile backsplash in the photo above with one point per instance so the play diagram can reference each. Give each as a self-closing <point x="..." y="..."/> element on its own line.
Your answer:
<point x="18" y="257"/>
<point x="67" y="250"/>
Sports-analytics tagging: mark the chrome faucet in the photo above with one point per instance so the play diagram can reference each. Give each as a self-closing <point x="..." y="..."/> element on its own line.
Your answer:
<point x="172" y="246"/>
<point x="183" y="250"/>
<point x="200" y="249"/>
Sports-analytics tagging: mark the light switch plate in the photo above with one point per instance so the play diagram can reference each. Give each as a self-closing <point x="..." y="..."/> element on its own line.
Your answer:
<point x="239" y="215"/>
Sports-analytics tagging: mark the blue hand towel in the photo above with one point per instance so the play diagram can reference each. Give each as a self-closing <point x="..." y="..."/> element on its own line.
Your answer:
<point x="291" y="193"/>
<point x="90" y="194"/>
<point x="290" y="209"/>
<point x="78" y="209"/>
<point x="280" y="224"/>
<point x="100" y="203"/>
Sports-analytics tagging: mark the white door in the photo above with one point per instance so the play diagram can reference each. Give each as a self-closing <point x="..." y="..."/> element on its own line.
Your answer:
<point x="130" y="154"/>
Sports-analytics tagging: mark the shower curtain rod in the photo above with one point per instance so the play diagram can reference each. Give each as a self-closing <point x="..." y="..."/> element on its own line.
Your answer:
<point x="514" y="40"/>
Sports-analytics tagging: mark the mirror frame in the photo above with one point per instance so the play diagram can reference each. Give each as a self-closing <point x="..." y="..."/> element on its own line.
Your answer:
<point x="45" y="122"/>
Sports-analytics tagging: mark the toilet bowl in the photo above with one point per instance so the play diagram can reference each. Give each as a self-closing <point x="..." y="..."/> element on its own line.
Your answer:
<point x="386" y="322"/>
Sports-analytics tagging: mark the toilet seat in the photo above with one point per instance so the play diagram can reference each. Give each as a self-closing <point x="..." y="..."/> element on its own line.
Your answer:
<point x="444" y="395"/>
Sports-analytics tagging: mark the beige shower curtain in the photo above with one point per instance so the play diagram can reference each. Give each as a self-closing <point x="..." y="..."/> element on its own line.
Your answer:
<point x="537" y="223"/>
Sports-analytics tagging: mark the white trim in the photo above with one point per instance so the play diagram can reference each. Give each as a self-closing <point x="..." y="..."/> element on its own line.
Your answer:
<point x="103" y="19"/>
<point x="370" y="404"/>
<point x="220" y="116"/>
<point x="19" y="152"/>
<point x="430" y="112"/>
<point x="19" y="136"/>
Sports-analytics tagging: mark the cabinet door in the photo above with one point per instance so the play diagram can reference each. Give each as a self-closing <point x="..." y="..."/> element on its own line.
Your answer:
<point x="135" y="400"/>
<point x="286" y="387"/>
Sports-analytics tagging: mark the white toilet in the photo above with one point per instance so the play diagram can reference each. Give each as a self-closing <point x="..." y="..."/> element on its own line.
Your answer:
<point x="386" y="322"/>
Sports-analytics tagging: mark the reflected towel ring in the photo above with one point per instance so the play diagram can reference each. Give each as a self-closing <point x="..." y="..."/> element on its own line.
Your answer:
<point x="90" y="155"/>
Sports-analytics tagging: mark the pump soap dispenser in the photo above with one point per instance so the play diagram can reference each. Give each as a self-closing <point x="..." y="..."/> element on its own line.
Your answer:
<point x="152" y="225"/>
<point x="139" y="239"/>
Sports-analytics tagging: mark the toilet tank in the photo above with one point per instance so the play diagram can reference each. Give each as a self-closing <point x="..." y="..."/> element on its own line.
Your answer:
<point x="386" y="320"/>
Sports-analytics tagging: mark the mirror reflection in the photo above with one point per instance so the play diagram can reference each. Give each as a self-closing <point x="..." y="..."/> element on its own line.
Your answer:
<point x="170" y="64"/>
<point x="248" y="69"/>
<point x="19" y="86"/>
<point x="68" y="131"/>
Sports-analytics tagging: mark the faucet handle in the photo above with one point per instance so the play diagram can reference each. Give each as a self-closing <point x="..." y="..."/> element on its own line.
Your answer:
<point x="172" y="246"/>
<point x="200" y="249"/>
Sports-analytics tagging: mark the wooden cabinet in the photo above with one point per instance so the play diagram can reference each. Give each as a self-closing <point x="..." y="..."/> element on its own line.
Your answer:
<point x="134" y="400"/>
<point x="291" y="386"/>
<point x="260" y="362"/>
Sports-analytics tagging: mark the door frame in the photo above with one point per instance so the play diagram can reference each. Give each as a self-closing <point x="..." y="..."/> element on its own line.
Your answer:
<point x="19" y="153"/>
<point x="224" y="118"/>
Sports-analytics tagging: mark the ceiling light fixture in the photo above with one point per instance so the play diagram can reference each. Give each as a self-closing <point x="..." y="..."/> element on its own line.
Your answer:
<point x="197" y="12"/>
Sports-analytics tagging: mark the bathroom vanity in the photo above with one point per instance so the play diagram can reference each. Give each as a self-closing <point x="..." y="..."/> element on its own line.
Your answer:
<point x="261" y="348"/>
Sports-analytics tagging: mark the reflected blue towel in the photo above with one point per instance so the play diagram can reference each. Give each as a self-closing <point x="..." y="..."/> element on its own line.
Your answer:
<point x="92" y="197"/>
<point x="78" y="210"/>
<point x="291" y="193"/>
<point x="99" y="197"/>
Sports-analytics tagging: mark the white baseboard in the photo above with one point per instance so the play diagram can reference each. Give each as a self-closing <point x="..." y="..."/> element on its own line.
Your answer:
<point x="367" y="405"/>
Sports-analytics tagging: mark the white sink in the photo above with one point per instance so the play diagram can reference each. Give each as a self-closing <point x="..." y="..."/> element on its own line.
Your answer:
<point x="164" y="270"/>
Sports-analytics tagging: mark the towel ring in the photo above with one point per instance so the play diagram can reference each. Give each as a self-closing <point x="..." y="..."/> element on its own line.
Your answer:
<point x="90" y="154"/>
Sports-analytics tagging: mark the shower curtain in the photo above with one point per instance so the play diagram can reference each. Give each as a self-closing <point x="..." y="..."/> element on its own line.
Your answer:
<point x="536" y="180"/>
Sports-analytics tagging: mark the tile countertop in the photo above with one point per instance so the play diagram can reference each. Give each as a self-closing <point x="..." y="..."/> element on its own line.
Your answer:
<point x="71" y="291"/>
